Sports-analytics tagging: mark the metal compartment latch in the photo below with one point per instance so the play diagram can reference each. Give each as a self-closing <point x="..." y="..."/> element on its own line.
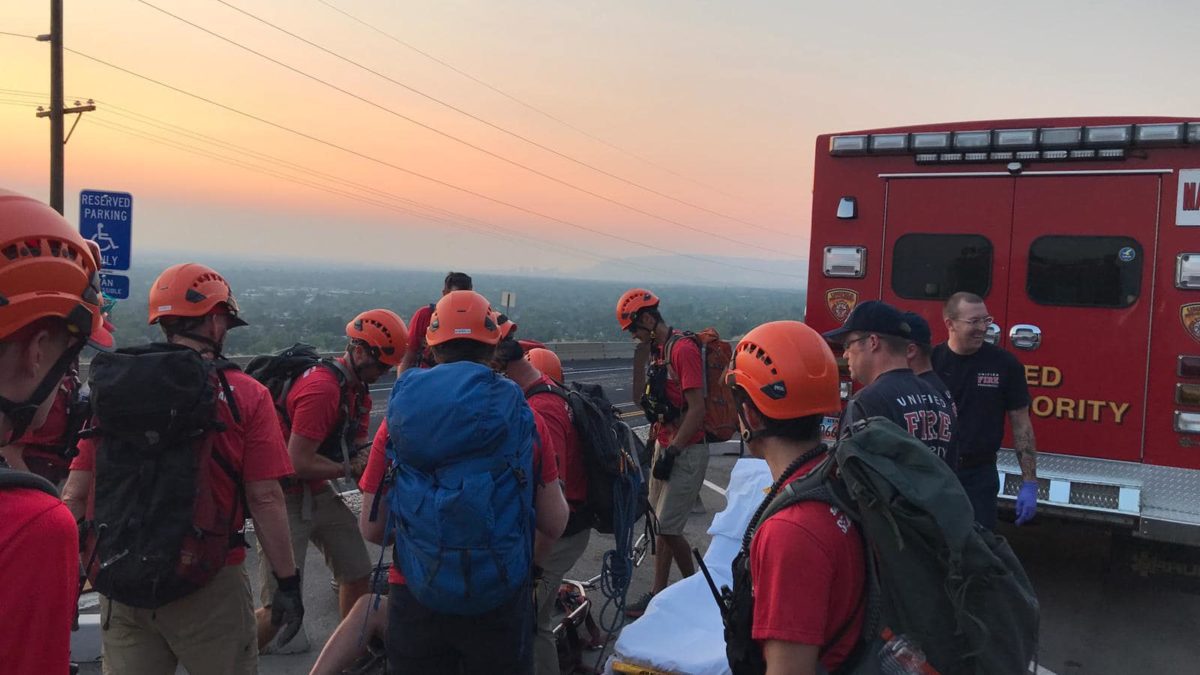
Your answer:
<point x="1025" y="336"/>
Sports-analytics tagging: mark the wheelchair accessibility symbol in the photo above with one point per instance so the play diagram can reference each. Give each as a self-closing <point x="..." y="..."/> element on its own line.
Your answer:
<point x="107" y="219"/>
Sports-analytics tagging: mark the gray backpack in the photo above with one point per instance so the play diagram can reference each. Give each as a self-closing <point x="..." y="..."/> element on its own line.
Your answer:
<point x="933" y="575"/>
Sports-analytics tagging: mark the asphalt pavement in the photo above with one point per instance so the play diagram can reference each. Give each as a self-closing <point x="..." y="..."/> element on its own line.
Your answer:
<point x="1109" y="606"/>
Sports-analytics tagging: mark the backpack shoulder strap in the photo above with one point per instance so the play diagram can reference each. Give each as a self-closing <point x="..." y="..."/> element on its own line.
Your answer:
<point x="11" y="478"/>
<point x="547" y="389"/>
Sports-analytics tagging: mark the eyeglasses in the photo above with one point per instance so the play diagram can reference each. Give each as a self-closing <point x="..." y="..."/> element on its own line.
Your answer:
<point x="974" y="323"/>
<point x="847" y="343"/>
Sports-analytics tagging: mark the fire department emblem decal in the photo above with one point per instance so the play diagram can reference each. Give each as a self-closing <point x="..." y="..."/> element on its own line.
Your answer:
<point x="1190" y="314"/>
<point x="841" y="302"/>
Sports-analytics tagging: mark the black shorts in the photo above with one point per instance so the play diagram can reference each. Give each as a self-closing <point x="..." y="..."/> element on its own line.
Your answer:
<point x="421" y="640"/>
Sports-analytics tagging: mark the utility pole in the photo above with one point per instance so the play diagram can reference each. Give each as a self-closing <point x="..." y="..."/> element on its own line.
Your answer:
<point x="57" y="110"/>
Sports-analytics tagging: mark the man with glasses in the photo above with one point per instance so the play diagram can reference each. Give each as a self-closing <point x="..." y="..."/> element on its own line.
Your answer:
<point x="875" y="340"/>
<point x="987" y="384"/>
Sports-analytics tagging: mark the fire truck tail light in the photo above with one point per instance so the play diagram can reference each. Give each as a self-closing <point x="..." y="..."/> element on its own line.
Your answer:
<point x="1016" y="139"/>
<point x="1187" y="271"/>
<point x="1187" y="422"/>
<point x="1187" y="394"/>
<point x="1188" y="366"/>
<point x="888" y="143"/>
<point x="845" y="261"/>
<point x="939" y="140"/>
<point x="848" y="145"/>
<point x="1152" y="134"/>
<point x="1065" y="137"/>
<point x="1119" y="135"/>
<point x="972" y="140"/>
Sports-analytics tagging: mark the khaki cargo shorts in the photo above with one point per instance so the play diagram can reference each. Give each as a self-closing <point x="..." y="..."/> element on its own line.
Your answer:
<point x="673" y="499"/>
<point x="210" y="632"/>
<point x="333" y="529"/>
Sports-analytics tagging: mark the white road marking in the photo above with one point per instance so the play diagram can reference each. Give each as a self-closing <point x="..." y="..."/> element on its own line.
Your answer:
<point x="595" y="370"/>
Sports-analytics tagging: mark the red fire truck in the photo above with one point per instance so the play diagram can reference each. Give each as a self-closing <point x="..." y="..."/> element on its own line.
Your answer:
<point x="1083" y="237"/>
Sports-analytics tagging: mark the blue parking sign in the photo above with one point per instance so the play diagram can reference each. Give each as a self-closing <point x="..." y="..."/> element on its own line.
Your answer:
<point x="107" y="219"/>
<point x="115" y="286"/>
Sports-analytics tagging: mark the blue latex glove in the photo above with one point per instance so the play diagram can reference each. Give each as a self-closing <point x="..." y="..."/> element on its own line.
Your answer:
<point x="1027" y="502"/>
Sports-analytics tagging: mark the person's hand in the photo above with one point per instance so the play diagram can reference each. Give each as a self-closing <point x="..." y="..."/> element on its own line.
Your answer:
<point x="1027" y="502"/>
<point x="287" y="608"/>
<point x="666" y="462"/>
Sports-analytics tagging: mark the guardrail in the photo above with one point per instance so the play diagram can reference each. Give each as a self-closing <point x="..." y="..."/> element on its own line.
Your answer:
<point x="567" y="352"/>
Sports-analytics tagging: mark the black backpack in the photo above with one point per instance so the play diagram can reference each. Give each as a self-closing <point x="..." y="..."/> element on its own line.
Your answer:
<point x="158" y="534"/>
<point x="610" y="450"/>
<point x="933" y="576"/>
<point x="279" y="371"/>
<point x="11" y="478"/>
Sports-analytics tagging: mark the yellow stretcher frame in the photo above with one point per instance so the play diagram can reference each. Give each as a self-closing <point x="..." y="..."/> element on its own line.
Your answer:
<point x="633" y="669"/>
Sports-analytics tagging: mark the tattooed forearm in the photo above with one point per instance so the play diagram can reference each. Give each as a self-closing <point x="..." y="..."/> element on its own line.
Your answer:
<point x="1026" y="451"/>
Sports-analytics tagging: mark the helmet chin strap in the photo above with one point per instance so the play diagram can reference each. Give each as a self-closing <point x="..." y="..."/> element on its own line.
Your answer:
<point x="214" y="347"/>
<point x="20" y="414"/>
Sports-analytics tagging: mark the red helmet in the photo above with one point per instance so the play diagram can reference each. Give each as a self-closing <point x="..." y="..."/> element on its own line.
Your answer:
<point x="633" y="301"/>
<point x="547" y="362"/>
<point x="47" y="270"/>
<point x="383" y="331"/>
<point x="462" y="315"/>
<point x="191" y="290"/>
<point x="787" y="370"/>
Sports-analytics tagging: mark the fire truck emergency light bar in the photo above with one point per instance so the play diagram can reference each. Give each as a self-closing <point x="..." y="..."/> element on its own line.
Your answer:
<point x="1003" y="145"/>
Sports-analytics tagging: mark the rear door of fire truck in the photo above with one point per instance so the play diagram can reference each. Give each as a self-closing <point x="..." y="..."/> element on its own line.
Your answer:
<point x="944" y="234"/>
<point x="1079" y="306"/>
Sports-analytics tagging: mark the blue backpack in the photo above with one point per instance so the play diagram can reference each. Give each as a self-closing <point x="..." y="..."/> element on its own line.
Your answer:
<point x="461" y="500"/>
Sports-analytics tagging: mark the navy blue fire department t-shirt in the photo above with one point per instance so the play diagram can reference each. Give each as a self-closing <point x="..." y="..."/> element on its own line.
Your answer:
<point x="985" y="385"/>
<point x="931" y="378"/>
<point x="914" y="406"/>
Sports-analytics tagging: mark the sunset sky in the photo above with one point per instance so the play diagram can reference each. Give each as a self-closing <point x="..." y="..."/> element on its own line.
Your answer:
<point x="714" y="104"/>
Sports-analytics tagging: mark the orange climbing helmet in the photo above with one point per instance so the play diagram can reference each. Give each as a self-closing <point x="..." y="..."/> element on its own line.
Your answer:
<point x="633" y="301"/>
<point x="506" y="325"/>
<point x="787" y="370"/>
<point x="547" y="362"/>
<point x="47" y="270"/>
<point x="383" y="332"/>
<point x="462" y="315"/>
<point x="191" y="290"/>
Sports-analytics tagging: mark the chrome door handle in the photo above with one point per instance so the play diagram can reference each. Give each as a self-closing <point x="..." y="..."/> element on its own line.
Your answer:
<point x="1025" y="336"/>
<point x="992" y="336"/>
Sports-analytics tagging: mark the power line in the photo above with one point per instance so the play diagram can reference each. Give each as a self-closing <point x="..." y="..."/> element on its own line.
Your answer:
<point x="473" y="146"/>
<point x="493" y="125"/>
<point x="436" y="181"/>
<point x="523" y="103"/>
<point x="449" y="219"/>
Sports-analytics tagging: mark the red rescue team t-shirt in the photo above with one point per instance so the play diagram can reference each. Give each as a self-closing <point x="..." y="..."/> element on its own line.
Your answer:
<point x="559" y="438"/>
<point x="314" y="404"/>
<point x="685" y="372"/>
<point x="808" y="570"/>
<point x="39" y="573"/>
<point x="417" y="326"/>
<point x="52" y="430"/>
<point x="254" y="446"/>
<point x="377" y="463"/>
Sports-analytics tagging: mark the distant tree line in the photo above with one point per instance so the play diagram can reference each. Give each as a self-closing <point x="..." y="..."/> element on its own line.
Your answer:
<point x="287" y="304"/>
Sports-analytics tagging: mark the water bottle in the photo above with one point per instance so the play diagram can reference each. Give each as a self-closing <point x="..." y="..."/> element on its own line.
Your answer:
<point x="901" y="656"/>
